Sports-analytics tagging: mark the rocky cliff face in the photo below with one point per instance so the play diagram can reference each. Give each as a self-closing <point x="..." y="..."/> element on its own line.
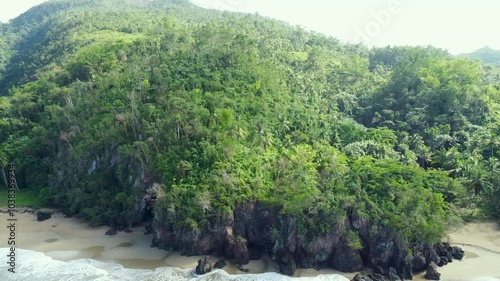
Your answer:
<point x="108" y="168"/>
<point x="255" y="229"/>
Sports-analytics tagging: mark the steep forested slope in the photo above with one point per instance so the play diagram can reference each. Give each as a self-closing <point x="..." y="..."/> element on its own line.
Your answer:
<point x="251" y="135"/>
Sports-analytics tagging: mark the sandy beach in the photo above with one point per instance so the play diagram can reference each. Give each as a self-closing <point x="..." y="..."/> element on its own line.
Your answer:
<point x="481" y="243"/>
<point x="67" y="239"/>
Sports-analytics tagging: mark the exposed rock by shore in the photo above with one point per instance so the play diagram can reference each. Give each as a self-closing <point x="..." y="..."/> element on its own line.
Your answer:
<point x="255" y="227"/>
<point x="42" y="216"/>
<point x="204" y="266"/>
<point x="72" y="238"/>
<point x="111" y="231"/>
<point x="220" y="264"/>
<point x="432" y="273"/>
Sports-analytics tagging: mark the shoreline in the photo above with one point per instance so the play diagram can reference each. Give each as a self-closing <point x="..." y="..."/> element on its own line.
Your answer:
<point x="66" y="239"/>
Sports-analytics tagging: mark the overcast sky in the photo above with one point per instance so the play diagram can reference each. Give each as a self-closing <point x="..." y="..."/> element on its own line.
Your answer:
<point x="459" y="26"/>
<point x="12" y="8"/>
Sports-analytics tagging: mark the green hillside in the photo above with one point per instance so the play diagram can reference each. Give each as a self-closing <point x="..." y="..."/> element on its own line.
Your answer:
<point x="486" y="54"/>
<point x="101" y="100"/>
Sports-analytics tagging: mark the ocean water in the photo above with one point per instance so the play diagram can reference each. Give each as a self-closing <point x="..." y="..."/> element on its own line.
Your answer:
<point x="36" y="266"/>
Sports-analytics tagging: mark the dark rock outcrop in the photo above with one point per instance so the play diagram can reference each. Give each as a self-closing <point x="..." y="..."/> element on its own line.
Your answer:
<point x="220" y="264"/>
<point x="457" y="253"/>
<point x="432" y="256"/>
<point x="255" y="228"/>
<point x="111" y="231"/>
<point x="204" y="266"/>
<point x="432" y="273"/>
<point x="419" y="263"/>
<point x="42" y="216"/>
<point x="444" y="252"/>
<point x="393" y="275"/>
<point x="376" y="277"/>
<point x="347" y="259"/>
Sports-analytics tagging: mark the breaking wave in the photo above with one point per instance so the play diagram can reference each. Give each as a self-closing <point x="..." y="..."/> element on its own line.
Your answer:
<point x="36" y="266"/>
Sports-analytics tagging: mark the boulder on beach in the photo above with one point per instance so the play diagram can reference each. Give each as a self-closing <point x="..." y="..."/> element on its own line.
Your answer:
<point x="432" y="273"/>
<point x="111" y="231"/>
<point x="42" y="216"/>
<point x="220" y="264"/>
<point x="204" y="266"/>
<point x="457" y="253"/>
<point x="419" y="263"/>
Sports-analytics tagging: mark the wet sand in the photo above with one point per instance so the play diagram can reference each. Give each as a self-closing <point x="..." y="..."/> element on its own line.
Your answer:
<point x="69" y="238"/>
<point x="481" y="243"/>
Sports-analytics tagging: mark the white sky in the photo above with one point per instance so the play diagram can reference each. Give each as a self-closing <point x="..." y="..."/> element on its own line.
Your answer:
<point x="12" y="8"/>
<point x="459" y="26"/>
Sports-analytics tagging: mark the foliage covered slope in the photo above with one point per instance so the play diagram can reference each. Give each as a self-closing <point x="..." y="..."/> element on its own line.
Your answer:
<point x="224" y="108"/>
<point x="485" y="54"/>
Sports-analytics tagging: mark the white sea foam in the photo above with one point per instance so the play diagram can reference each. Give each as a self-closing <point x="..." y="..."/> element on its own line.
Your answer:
<point x="36" y="266"/>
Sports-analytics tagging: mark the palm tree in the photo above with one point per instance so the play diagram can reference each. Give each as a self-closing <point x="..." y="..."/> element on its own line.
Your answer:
<point x="424" y="153"/>
<point x="492" y="142"/>
<point x="453" y="160"/>
<point x="477" y="178"/>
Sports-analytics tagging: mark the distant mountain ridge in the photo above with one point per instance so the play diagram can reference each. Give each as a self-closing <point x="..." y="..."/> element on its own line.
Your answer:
<point x="486" y="54"/>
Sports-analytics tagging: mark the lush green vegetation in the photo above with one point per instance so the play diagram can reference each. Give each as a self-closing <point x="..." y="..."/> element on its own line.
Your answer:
<point x="224" y="108"/>
<point x="24" y="198"/>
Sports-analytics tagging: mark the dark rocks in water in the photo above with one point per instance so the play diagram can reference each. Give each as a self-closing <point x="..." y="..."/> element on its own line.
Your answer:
<point x="361" y="277"/>
<point x="128" y="230"/>
<point x="111" y="231"/>
<point x="457" y="253"/>
<point x="432" y="273"/>
<point x="204" y="266"/>
<point x="42" y="216"/>
<point x="444" y="251"/>
<point x="148" y="229"/>
<point x="220" y="264"/>
<point x="393" y="275"/>
<point x="441" y="249"/>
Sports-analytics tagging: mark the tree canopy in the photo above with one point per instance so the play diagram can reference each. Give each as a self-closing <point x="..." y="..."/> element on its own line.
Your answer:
<point x="226" y="108"/>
